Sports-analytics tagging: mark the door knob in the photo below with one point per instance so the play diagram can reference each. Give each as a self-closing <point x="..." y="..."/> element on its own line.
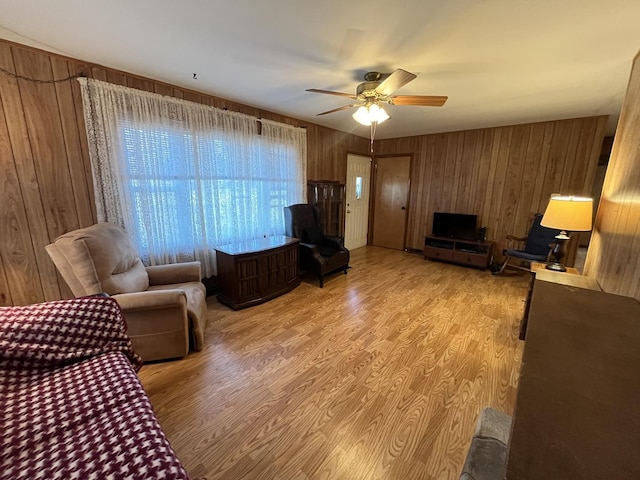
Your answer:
<point x="348" y="211"/>
<point x="403" y="208"/>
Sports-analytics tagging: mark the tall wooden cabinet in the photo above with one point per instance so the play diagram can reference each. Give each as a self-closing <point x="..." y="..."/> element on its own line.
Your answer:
<point x="329" y="197"/>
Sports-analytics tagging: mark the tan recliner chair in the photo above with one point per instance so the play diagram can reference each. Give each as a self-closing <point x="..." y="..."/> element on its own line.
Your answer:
<point x="164" y="306"/>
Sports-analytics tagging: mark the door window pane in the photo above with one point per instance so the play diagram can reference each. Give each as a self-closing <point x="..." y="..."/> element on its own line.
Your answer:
<point x="358" y="188"/>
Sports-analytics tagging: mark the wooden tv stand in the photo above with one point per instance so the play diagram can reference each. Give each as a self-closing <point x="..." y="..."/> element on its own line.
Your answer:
<point x="474" y="253"/>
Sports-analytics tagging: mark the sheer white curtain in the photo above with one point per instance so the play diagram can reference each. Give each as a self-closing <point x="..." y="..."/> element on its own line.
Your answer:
<point x="182" y="177"/>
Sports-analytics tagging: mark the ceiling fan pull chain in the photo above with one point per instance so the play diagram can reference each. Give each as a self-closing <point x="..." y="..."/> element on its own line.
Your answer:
<point x="373" y="133"/>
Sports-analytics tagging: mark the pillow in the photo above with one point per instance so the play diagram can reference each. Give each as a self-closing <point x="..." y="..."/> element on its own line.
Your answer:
<point x="313" y="235"/>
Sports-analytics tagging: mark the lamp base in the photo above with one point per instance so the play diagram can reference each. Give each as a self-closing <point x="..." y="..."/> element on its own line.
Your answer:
<point x="558" y="253"/>
<point x="556" y="267"/>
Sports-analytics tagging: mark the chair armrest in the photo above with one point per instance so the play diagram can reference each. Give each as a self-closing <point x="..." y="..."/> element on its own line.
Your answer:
<point x="150" y="300"/>
<point x="174" y="273"/>
<point x="312" y="250"/>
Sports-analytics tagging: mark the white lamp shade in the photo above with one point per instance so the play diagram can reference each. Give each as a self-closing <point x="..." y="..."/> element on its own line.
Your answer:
<point x="362" y="116"/>
<point x="377" y="113"/>
<point x="572" y="214"/>
<point x="365" y="115"/>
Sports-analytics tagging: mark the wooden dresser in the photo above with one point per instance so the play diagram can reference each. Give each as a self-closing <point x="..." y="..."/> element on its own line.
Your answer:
<point x="250" y="273"/>
<point x="576" y="414"/>
<point x="571" y="278"/>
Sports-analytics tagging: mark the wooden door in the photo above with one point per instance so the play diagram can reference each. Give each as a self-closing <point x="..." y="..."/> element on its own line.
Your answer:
<point x="357" y="214"/>
<point x="390" y="205"/>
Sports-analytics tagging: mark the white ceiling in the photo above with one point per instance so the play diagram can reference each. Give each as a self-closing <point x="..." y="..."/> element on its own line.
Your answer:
<point x="501" y="62"/>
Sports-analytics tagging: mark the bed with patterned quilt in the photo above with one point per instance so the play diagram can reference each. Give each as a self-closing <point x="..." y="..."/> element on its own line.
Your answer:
<point x="71" y="405"/>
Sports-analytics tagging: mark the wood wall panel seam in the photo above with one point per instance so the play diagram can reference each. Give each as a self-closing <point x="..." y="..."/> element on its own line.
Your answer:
<point x="15" y="251"/>
<point x="45" y="131"/>
<point x="69" y="122"/>
<point x="22" y="276"/>
<point x="84" y="144"/>
<point x="5" y="292"/>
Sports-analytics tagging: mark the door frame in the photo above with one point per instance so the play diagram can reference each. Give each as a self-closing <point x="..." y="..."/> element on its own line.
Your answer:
<point x="372" y="200"/>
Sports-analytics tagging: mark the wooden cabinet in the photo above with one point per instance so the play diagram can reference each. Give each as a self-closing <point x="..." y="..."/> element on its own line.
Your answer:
<point x="474" y="253"/>
<point x="329" y="198"/>
<point x="251" y="273"/>
<point x="571" y="277"/>
<point x="576" y="414"/>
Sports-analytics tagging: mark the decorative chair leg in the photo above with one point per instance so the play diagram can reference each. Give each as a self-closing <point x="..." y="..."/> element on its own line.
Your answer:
<point x="345" y="271"/>
<point x="321" y="281"/>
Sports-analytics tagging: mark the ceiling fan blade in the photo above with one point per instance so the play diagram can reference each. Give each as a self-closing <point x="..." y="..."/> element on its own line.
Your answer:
<point x="419" y="100"/>
<point x="329" y="92"/>
<point x="338" y="109"/>
<point x="393" y="82"/>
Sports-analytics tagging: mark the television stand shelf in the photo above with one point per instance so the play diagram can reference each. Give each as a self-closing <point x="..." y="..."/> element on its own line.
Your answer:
<point x="474" y="253"/>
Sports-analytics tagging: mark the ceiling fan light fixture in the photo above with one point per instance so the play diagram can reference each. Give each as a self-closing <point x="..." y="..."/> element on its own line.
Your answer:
<point x="362" y="116"/>
<point x="377" y="113"/>
<point x="368" y="114"/>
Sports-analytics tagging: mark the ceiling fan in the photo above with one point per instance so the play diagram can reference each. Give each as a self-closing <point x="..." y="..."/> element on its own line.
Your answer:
<point x="373" y="92"/>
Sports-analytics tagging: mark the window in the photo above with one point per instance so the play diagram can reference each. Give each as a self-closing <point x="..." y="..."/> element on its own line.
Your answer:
<point x="183" y="178"/>
<point x="195" y="184"/>
<point x="358" y="188"/>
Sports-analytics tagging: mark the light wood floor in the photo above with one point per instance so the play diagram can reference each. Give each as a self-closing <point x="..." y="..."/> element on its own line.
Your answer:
<point x="380" y="375"/>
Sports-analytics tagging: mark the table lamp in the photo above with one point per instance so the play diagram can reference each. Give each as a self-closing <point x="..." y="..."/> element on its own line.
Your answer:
<point x="568" y="214"/>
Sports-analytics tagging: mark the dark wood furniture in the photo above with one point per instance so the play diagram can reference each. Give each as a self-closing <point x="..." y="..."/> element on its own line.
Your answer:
<point x="319" y="254"/>
<point x="329" y="197"/>
<point x="571" y="277"/>
<point x="474" y="253"/>
<point x="576" y="414"/>
<point x="254" y="272"/>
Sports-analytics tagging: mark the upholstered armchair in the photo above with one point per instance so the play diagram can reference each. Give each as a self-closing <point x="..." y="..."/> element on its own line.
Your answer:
<point x="164" y="306"/>
<point x="318" y="254"/>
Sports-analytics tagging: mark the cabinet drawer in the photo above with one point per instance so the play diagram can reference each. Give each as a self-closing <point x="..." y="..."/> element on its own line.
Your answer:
<point x="439" y="253"/>
<point x="475" y="259"/>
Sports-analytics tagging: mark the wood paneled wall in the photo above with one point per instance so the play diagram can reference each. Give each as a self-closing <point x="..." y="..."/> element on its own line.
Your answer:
<point x="504" y="175"/>
<point x="46" y="186"/>
<point x="614" y="252"/>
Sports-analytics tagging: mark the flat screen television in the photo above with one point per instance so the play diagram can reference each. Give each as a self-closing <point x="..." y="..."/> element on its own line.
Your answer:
<point x="456" y="225"/>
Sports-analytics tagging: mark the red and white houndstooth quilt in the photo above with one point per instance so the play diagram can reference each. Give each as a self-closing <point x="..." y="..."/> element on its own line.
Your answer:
<point x="71" y="405"/>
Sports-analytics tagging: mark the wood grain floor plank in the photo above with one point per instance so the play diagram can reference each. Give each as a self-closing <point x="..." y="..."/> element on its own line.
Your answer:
<point x="381" y="374"/>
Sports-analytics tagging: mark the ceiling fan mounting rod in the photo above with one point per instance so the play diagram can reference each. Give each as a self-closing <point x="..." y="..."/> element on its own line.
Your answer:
<point x="372" y="76"/>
